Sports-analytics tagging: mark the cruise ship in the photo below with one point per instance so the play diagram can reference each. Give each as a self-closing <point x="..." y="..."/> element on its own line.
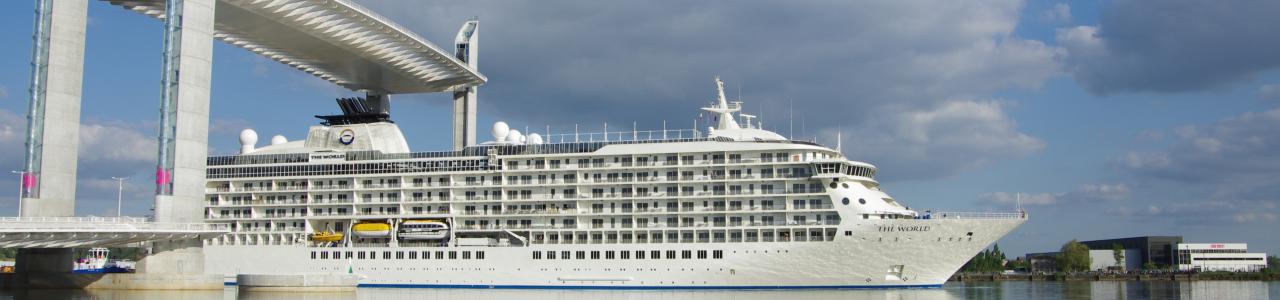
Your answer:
<point x="733" y="206"/>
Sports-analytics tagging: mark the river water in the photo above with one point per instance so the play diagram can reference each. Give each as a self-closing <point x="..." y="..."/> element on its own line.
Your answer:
<point x="984" y="290"/>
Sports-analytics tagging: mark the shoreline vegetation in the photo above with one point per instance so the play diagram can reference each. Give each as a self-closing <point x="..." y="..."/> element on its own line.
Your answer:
<point x="1101" y="276"/>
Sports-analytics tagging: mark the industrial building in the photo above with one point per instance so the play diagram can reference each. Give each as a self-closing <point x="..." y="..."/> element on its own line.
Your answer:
<point x="1219" y="257"/>
<point x="1159" y="250"/>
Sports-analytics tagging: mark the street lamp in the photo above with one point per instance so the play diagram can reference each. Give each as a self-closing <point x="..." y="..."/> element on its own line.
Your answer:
<point x="119" y="194"/>
<point x="20" y="173"/>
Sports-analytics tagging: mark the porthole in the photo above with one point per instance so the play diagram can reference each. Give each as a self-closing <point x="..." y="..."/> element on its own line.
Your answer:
<point x="846" y="185"/>
<point x="845" y="201"/>
<point x="835" y="185"/>
<point x="862" y="201"/>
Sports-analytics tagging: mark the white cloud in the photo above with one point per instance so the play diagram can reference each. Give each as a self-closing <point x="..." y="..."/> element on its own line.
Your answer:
<point x="104" y="143"/>
<point x="1026" y="199"/>
<point x="845" y="64"/>
<point x="940" y="141"/>
<point x="1133" y="49"/>
<point x="1269" y="92"/>
<point x="1223" y="172"/>
<point x="1060" y="13"/>
<point x="1101" y="192"/>
<point x="1086" y="193"/>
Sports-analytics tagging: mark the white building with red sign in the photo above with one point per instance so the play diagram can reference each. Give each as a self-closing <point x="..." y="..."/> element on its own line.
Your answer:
<point x="1220" y="257"/>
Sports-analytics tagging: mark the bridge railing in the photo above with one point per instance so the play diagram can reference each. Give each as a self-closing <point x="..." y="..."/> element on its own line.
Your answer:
<point x="102" y="224"/>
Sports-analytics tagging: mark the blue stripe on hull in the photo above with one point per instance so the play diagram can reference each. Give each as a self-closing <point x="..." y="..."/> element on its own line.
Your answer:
<point x="593" y="287"/>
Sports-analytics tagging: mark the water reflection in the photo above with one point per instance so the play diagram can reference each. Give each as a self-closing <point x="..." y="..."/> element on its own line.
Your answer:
<point x="983" y="290"/>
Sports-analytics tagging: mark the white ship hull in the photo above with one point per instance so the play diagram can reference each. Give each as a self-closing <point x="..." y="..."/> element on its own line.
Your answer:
<point x="862" y="260"/>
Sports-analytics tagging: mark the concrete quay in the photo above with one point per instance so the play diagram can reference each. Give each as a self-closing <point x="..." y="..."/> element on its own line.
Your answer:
<point x="111" y="281"/>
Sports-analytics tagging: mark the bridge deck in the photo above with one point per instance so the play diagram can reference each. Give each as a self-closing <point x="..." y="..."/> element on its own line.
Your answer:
<point x="72" y="232"/>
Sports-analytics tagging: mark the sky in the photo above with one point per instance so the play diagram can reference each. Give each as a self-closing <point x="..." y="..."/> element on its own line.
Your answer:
<point x="1106" y="118"/>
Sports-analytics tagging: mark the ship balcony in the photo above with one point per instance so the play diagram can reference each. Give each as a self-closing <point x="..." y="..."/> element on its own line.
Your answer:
<point x="331" y="187"/>
<point x="332" y="201"/>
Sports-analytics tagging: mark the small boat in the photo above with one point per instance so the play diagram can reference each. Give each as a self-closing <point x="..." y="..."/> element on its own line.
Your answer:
<point x="423" y="230"/>
<point x="326" y="236"/>
<point x="97" y="262"/>
<point x="371" y="229"/>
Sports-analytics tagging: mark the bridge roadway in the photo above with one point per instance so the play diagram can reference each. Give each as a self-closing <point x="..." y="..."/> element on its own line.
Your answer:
<point x="75" y="232"/>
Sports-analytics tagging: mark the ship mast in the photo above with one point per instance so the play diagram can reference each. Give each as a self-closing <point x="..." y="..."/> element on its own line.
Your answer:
<point x="723" y="108"/>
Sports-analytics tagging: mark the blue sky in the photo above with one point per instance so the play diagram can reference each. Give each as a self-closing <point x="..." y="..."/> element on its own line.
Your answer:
<point x="1110" y="118"/>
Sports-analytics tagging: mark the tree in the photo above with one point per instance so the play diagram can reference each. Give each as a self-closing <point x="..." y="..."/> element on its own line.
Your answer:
<point x="987" y="261"/>
<point x="1074" y="257"/>
<point x="1117" y="252"/>
<point x="1273" y="264"/>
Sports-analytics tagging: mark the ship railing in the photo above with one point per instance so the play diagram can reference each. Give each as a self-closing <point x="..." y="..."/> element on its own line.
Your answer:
<point x="974" y="215"/>
<point x="624" y="136"/>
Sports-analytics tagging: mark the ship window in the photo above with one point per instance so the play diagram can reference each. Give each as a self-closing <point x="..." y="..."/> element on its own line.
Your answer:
<point x="453" y="254"/>
<point x="686" y="254"/>
<point x="348" y="255"/>
<point x="386" y="254"/>
<point x="702" y="254"/>
<point x="399" y="254"/>
<point x="479" y="254"/>
<point x="373" y="255"/>
<point x="413" y="255"/>
<point x="551" y="255"/>
<point x="623" y="254"/>
<point x="845" y="201"/>
<point x="466" y="254"/>
<point x="862" y="201"/>
<point x="640" y="254"/>
<point x="595" y="254"/>
<point x="717" y="254"/>
<point x="439" y="254"/>
<point x="564" y="254"/>
<point x="323" y="255"/>
<point x="313" y="255"/>
<point x="671" y="254"/>
<point x="846" y="185"/>
<point x="581" y="254"/>
<point x="426" y="254"/>
<point x="608" y="255"/>
<point x="360" y="255"/>
<point x="835" y="185"/>
<point x="337" y="255"/>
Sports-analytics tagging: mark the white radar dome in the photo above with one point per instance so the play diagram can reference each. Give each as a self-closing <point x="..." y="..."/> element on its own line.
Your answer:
<point x="514" y="137"/>
<point x="500" y="131"/>
<point x="278" y="139"/>
<point x="535" y="138"/>
<point x="248" y="138"/>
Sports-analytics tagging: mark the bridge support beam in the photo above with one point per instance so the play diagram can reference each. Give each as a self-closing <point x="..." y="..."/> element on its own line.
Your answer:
<point x="184" y="133"/>
<point x="464" y="101"/>
<point x="53" y="119"/>
<point x="53" y="126"/>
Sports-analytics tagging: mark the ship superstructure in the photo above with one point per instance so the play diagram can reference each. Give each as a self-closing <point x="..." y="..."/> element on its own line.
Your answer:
<point x="736" y="206"/>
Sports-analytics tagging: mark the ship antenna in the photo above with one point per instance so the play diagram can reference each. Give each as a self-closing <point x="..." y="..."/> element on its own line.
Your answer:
<point x="791" y="120"/>
<point x="839" y="140"/>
